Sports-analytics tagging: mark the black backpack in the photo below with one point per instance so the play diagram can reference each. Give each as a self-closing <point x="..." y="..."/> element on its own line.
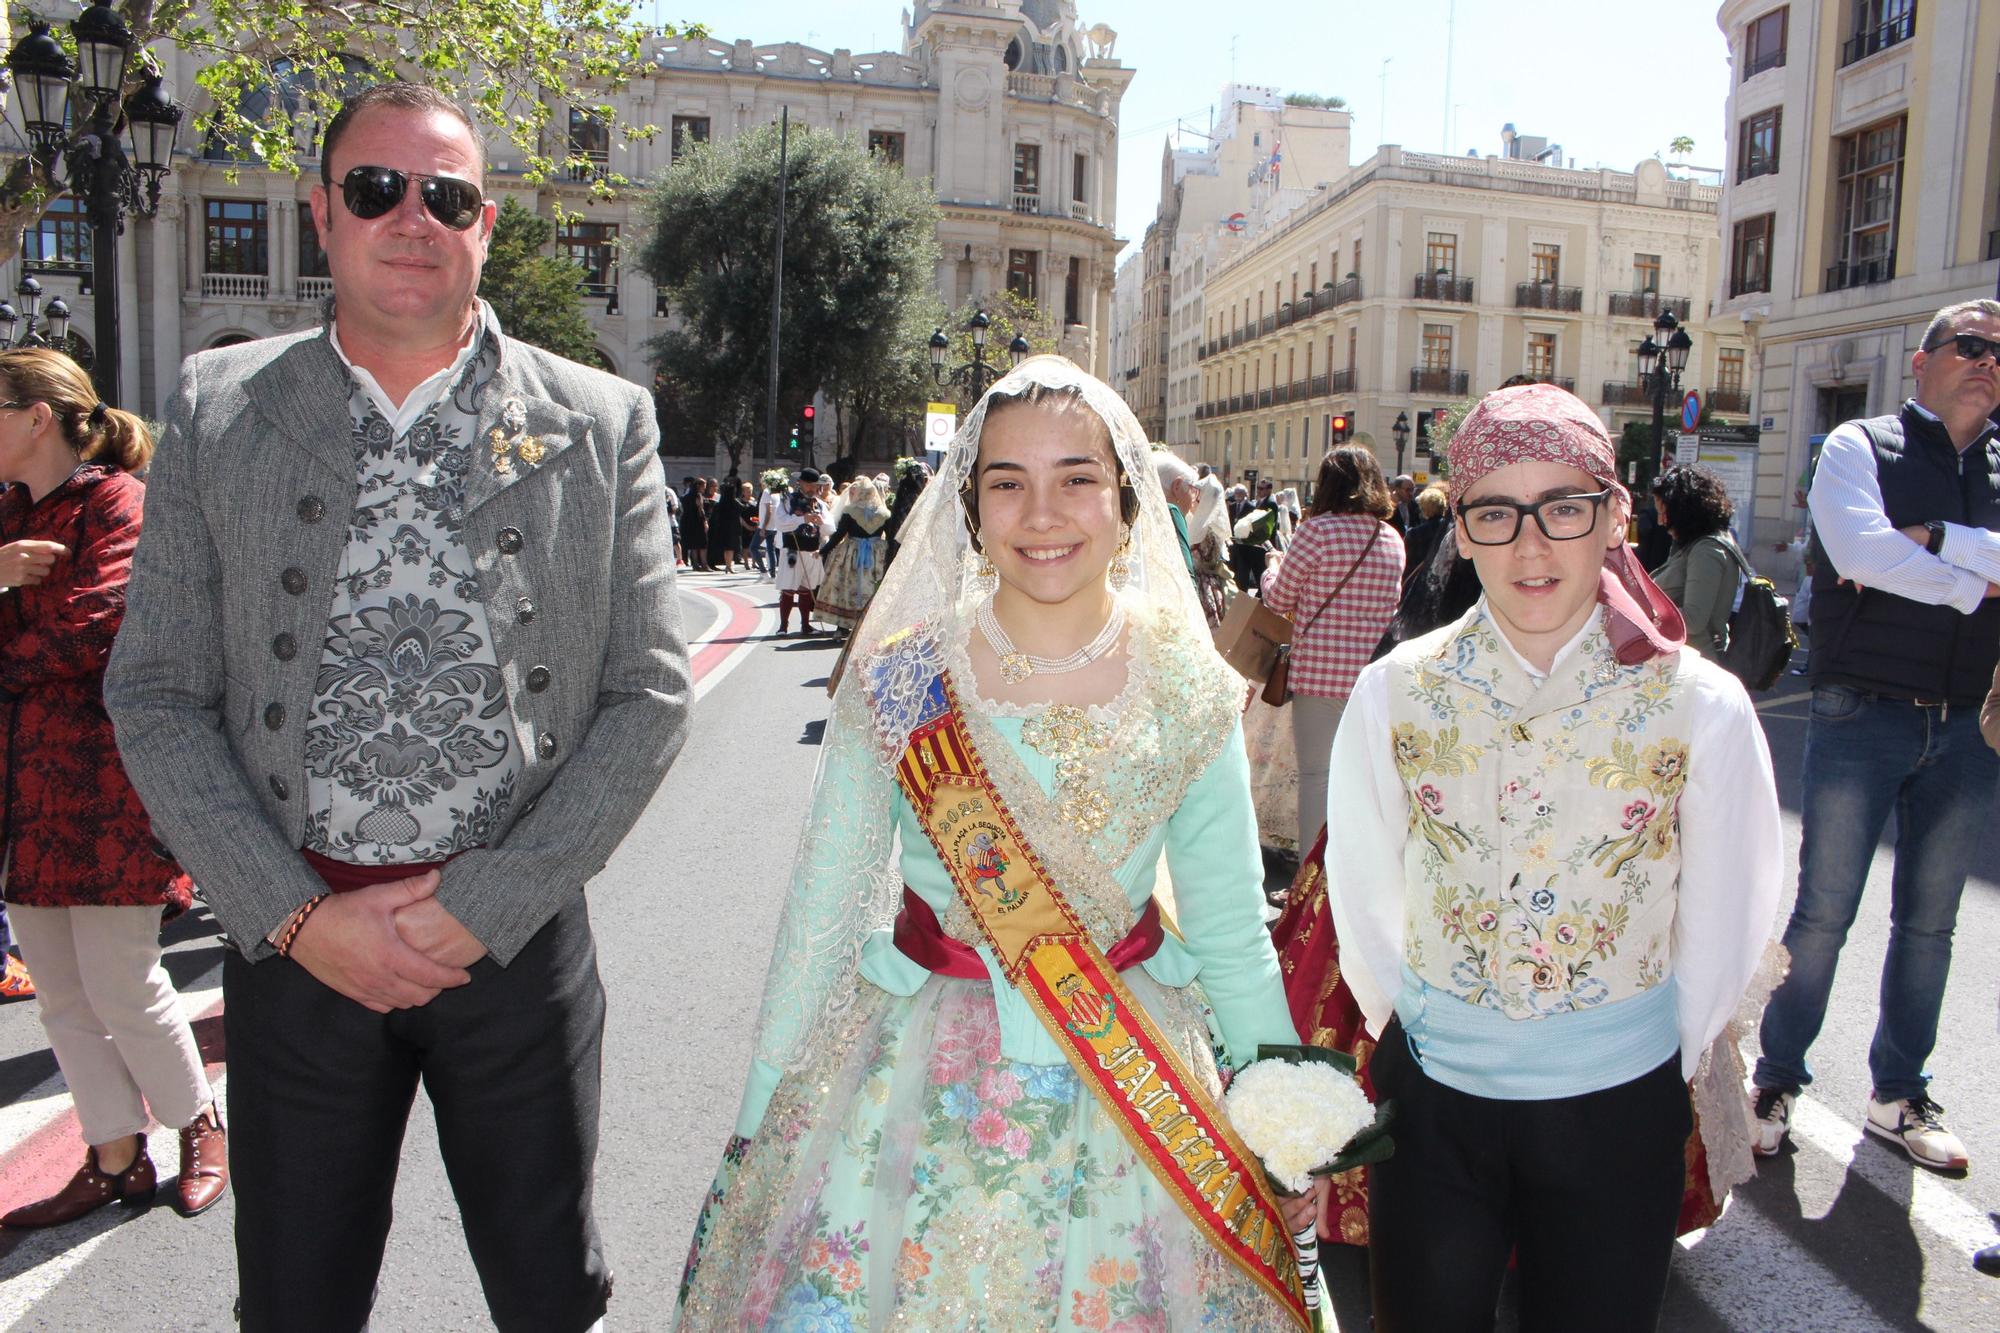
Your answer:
<point x="1761" y="638"/>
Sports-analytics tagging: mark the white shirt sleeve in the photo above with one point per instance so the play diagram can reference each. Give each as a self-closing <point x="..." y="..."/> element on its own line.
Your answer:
<point x="1367" y="823"/>
<point x="1848" y="515"/>
<point x="1732" y="858"/>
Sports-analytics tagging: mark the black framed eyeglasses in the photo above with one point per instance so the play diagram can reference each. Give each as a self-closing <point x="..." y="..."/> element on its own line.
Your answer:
<point x="372" y="191"/>
<point x="1970" y="346"/>
<point x="1562" y="518"/>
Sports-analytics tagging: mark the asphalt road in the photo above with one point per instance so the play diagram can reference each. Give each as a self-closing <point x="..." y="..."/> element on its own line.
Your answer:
<point x="1844" y="1234"/>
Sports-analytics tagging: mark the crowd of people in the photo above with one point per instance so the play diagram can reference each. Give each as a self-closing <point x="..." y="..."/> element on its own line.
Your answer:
<point x="317" y="654"/>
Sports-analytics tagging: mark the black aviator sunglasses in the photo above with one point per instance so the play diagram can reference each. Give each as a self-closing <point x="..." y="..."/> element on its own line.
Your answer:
<point x="1969" y="345"/>
<point x="371" y="192"/>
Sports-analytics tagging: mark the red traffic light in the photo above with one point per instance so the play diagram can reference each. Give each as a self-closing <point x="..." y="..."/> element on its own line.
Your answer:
<point x="807" y="413"/>
<point x="1340" y="423"/>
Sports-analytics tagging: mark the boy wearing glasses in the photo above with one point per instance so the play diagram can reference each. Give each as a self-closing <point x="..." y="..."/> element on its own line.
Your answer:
<point x="402" y="664"/>
<point x="1906" y="635"/>
<point x="1553" y="861"/>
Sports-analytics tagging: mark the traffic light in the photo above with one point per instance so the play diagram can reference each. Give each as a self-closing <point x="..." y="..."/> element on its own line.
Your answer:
<point x="795" y="437"/>
<point x="804" y="425"/>
<point x="1339" y="428"/>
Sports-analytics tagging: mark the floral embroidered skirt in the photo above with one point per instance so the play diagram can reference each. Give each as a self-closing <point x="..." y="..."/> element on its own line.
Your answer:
<point x="849" y="587"/>
<point x="913" y="1177"/>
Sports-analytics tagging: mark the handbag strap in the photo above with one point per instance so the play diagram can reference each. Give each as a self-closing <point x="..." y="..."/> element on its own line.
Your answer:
<point x="1373" y="537"/>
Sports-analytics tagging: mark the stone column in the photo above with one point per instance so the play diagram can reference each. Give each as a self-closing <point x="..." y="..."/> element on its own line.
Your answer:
<point x="165" y="329"/>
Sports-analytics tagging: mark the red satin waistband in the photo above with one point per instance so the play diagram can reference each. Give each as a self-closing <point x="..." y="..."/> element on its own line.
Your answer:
<point x="346" y="876"/>
<point x="922" y="940"/>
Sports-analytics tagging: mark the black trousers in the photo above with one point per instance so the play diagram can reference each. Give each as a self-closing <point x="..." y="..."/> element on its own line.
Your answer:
<point x="1585" y="1191"/>
<point x="319" y="1093"/>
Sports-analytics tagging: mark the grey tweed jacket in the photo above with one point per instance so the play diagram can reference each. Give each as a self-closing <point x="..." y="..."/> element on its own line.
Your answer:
<point x="213" y="674"/>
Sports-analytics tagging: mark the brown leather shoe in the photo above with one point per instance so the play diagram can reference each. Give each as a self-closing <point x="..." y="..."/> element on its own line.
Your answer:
<point x="88" y="1190"/>
<point x="204" y="1164"/>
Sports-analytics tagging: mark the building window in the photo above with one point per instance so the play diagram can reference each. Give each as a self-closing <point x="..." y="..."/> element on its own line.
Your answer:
<point x="687" y="130"/>
<point x="60" y="239"/>
<point x="1079" y="178"/>
<point x="1440" y="254"/>
<point x="1356" y="270"/>
<point x="1028" y="170"/>
<point x="593" y="246"/>
<point x="1729" y="369"/>
<point x="1542" y="355"/>
<point x="1437" y="346"/>
<point x="1021" y="273"/>
<point x="312" y="258"/>
<point x="1646" y="273"/>
<point x="1870" y="184"/>
<point x="1757" y="145"/>
<point x="1312" y="276"/>
<point x="589" y="140"/>
<point x="1546" y="260"/>
<point x="1764" y="42"/>
<point x="887" y="144"/>
<point x="1750" y="255"/>
<point x="1073" y="292"/>
<point x="1879" y="25"/>
<point x="1353" y="344"/>
<point x="238" y="238"/>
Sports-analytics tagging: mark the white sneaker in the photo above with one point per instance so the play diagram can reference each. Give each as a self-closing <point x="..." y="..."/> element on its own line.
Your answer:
<point x="1918" y="1124"/>
<point x="1772" y="1109"/>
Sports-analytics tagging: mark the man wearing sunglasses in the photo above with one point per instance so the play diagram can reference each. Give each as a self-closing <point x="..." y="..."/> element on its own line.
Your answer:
<point x="402" y="665"/>
<point x="1906" y="634"/>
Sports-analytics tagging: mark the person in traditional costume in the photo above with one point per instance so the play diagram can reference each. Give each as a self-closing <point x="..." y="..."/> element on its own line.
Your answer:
<point x="985" y="1092"/>
<point x="802" y="524"/>
<point x="1208" y="543"/>
<point x="1552" y="864"/>
<point x="855" y="557"/>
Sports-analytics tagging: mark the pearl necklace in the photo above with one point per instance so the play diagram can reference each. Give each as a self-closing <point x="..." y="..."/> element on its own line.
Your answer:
<point x="1016" y="666"/>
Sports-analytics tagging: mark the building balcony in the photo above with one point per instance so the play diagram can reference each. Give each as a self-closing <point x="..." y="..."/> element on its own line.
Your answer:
<point x="1302" y="390"/>
<point x="1280" y="394"/>
<point x="1268" y="324"/>
<point x="595" y="167"/>
<point x="315" y="289"/>
<point x="1626" y="393"/>
<point x="1769" y="60"/>
<point x="1440" y="383"/>
<point x="1340" y="381"/>
<point x="1347" y="289"/>
<point x="1547" y="296"/>
<point x="1861" y="272"/>
<point x="1079" y="210"/>
<point x="1728" y="400"/>
<point x="1879" y="38"/>
<point x="61" y="268"/>
<point x="1647" y="305"/>
<point x="1027" y="203"/>
<point x="1263" y="397"/>
<point x="1288" y="312"/>
<point x="235" y="286"/>
<point x="1564" y="382"/>
<point x="1432" y="287"/>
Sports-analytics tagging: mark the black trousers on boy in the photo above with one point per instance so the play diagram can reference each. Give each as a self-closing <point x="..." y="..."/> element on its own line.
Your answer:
<point x="1584" y="1190"/>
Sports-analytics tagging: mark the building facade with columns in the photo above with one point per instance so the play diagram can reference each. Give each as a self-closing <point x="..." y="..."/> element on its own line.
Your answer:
<point x="1861" y="194"/>
<point x="1006" y="106"/>
<point x="1416" y="280"/>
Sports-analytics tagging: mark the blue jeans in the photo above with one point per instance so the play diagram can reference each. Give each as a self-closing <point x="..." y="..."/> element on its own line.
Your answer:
<point x="1864" y="758"/>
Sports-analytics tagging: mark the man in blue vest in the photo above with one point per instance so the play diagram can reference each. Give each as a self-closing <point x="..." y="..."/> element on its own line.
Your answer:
<point x="1906" y="634"/>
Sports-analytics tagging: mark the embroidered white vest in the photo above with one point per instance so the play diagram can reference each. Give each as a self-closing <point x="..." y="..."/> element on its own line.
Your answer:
<point x="1544" y="854"/>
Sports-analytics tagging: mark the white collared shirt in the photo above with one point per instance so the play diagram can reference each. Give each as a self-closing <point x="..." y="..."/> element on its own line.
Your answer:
<point x="402" y="416"/>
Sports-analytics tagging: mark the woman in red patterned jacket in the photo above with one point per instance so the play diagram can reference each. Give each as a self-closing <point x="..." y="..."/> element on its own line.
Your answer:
<point x="84" y="881"/>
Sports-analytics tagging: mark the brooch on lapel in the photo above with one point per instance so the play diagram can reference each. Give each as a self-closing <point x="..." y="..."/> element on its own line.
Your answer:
<point x="510" y="440"/>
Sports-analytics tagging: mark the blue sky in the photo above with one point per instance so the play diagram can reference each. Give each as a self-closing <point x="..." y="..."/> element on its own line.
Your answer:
<point x="1611" y="82"/>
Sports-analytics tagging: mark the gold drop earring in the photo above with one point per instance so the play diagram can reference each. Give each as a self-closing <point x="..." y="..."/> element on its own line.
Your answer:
<point x="985" y="578"/>
<point x="1121" y="563"/>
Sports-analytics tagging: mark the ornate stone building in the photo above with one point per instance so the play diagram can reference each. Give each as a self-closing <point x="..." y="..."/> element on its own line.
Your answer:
<point x="1862" y="193"/>
<point x="1414" y="280"/>
<point x="1009" y="107"/>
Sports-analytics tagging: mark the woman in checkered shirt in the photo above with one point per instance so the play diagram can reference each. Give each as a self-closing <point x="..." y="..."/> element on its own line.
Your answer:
<point x="1338" y="581"/>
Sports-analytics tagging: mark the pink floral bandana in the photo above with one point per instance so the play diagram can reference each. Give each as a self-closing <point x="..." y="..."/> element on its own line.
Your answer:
<point x="1542" y="423"/>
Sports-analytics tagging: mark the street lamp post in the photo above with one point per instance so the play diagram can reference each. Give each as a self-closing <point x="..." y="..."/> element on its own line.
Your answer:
<point x="974" y="375"/>
<point x="1661" y="360"/>
<point x="112" y="176"/>
<point x="15" y="331"/>
<point x="1401" y="430"/>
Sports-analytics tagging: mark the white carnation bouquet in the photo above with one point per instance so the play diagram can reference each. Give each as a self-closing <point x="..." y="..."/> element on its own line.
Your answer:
<point x="1301" y="1110"/>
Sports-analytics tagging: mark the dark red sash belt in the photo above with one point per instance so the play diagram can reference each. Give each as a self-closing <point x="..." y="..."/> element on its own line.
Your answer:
<point x="346" y="876"/>
<point x="921" y="939"/>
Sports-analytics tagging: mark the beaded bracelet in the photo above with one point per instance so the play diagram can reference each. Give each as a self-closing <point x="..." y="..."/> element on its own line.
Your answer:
<point x="298" y="919"/>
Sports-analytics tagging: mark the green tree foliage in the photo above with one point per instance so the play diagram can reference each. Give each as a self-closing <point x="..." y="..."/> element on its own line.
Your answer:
<point x="860" y="253"/>
<point x="274" y="71"/>
<point x="536" y="295"/>
<point x="1317" y="101"/>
